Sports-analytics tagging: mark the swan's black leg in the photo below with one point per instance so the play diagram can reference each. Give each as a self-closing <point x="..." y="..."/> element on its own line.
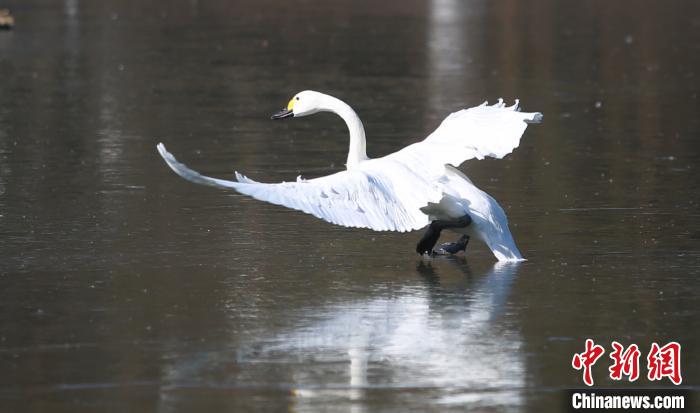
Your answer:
<point x="429" y="239"/>
<point x="454" y="247"/>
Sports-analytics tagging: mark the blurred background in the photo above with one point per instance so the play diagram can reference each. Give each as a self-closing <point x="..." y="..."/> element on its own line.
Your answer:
<point x="126" y="288"/>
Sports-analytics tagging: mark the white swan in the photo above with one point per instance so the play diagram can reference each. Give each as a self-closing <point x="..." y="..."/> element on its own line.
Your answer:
<point x="406" y="190"/>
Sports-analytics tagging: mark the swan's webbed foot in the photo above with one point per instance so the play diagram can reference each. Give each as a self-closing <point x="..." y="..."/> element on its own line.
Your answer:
<point x="452" y="248"/>
<point x="431" y="236"/>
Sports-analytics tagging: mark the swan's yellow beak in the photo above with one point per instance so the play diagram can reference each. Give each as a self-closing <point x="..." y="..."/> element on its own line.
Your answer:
<point x="285" y="113"/>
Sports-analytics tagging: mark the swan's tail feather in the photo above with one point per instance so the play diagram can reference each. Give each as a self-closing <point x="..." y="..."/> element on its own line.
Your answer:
<point x="503" y="247"/>
<point x="192" y="175"/>
<point x="489" y="221"/>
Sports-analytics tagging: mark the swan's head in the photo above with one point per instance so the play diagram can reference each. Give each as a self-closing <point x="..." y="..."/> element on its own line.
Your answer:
<point x="303" y="103"/>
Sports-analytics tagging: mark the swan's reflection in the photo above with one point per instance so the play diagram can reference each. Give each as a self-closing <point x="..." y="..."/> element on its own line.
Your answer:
<point x="446" y="341"/>
<point x="438" y="340"/>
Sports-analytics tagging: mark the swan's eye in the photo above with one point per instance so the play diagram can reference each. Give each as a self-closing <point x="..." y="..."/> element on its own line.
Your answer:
<point x="297" y="97"/>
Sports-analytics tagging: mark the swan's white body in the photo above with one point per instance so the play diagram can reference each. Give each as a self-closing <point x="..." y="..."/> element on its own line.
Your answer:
<point x="407" y="189"/>
<point x="489" y="223"/>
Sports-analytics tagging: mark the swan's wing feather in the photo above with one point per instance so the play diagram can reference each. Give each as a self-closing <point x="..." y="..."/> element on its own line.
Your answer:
<point x="189" y="174"/>
<point x="478" y="132"/>
<point x="362" y="198"/>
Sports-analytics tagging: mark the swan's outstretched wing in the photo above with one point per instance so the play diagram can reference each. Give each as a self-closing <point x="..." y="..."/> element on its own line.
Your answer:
<point x="478" y="132"/>
<point x="370" y="197"/>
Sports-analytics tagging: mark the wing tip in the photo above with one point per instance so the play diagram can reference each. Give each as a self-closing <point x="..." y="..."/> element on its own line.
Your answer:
<point x="536" y="117"/>
<point x="173" y="163"/>
<point x="161" y="149"/>
<point x="167" y="156"/>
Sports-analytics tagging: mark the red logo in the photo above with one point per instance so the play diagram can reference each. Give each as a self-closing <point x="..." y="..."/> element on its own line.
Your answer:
<point x="661" y="361"/>
<point x="626" y="362"/>
<point x="587" y="359"/>
<point x="665" y="362"/>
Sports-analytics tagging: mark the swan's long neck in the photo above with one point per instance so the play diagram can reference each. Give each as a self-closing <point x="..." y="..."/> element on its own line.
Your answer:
<point x="358" y="144"/>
